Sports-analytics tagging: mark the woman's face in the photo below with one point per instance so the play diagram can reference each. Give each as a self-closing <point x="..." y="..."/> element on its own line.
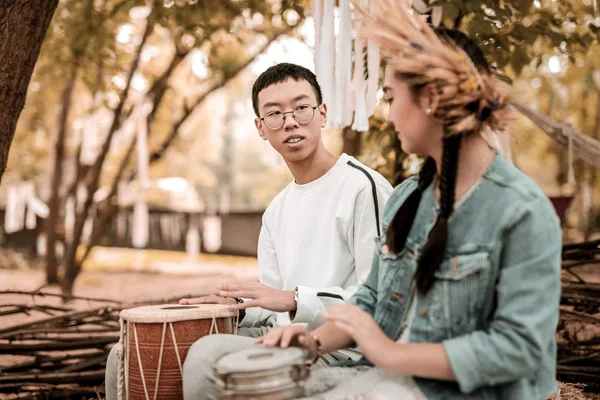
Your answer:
<point x="417" y="130"/>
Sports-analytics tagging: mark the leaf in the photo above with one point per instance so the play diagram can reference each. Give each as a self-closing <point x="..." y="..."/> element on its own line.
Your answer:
<point x="524" y="5"/>
<point x="519" y="59"/>
<point x="478" y="26"/>
<point x="451" y="11"/>
<point x="530" y="35"/>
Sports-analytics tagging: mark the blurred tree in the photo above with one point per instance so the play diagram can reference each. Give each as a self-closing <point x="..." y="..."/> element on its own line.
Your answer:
<point x="101" y="59"/>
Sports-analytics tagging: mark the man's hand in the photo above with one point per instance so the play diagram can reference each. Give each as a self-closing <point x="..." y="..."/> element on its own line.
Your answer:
<point x="260" y="296"/>
<point x="210" y="299"/>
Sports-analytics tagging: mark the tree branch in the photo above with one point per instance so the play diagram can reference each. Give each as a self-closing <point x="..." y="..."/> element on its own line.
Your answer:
<point x="97" y="168"/>
<point x="57" y="174"/>
<point x="157" y="154"/>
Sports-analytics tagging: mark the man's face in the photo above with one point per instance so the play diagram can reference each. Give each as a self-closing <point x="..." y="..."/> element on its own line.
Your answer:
<point x="296" y="139"/>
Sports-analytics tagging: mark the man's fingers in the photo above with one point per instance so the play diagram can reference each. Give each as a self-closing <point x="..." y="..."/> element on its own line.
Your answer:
<point x="237" y="293"/>
<point x="245" y="304"/>
<point x="210" y="299"/>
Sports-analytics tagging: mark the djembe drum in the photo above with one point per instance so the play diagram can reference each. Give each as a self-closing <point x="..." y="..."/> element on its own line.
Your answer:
<point x="156" y="340"/>
<point x="261" y="373"/>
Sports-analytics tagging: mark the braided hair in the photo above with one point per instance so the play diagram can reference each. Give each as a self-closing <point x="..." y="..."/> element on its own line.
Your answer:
<point x="433" y="251"/>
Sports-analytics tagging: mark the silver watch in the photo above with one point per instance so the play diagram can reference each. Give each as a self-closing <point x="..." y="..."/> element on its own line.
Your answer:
<point x="296" y="295"/>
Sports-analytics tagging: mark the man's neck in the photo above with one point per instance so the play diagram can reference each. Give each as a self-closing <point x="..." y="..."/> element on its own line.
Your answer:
<point x="313" y="167"/>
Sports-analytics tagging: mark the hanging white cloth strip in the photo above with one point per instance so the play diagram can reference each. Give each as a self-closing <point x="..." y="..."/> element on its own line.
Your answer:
<point x="359" y="80"/>
<point x="325" y="59"/>
<point x="11" y="204"/>
<point x="343" y="68"/>
<point x="22" y="195"/>
<point x="28" y="198"/>
<point x="316" y="7"/>
<point x="211" y="233"/>
<point x="192" y="242"/>
<point x="373" y="63"/>
<point x="140" y="211"/>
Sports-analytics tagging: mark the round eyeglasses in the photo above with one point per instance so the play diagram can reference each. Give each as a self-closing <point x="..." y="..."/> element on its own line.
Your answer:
<point x="303" y="114"/>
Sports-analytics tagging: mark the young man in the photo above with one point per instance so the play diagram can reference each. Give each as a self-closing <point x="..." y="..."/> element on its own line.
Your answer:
<point x="318" y="235"/>
<point x="317" y="238"/>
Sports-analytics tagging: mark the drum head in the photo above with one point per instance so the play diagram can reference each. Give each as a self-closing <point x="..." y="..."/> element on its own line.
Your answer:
<point x="176" y="312"/>
<point x="259" y="359"/>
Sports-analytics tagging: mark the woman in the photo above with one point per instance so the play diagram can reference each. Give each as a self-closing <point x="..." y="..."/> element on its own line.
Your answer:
<point x="463" y="298"/>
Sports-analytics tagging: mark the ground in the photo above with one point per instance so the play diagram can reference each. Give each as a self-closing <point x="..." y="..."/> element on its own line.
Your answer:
<point x="135" y="276"/>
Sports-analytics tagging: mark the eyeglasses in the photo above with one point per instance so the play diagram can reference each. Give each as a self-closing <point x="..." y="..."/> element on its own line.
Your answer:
<point x="303" y="114"/>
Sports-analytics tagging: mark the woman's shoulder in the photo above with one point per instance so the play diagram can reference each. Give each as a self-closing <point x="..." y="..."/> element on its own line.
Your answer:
<point x="518" y="194"/>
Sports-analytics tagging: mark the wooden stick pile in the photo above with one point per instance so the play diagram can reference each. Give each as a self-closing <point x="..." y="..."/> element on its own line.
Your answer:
<point x="62" y="355"/>
<point x="579" y="326"/>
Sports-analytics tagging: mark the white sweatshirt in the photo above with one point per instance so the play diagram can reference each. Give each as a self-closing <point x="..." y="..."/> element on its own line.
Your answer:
<point x="320" y="237"/>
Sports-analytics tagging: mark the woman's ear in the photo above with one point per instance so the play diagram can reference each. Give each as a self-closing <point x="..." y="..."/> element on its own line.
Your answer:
<point x="429" y="99"/>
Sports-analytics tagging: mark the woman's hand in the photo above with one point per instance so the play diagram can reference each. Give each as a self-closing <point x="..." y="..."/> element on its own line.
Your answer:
<point x="367" y="335"/>
<point x="290" y="335"/>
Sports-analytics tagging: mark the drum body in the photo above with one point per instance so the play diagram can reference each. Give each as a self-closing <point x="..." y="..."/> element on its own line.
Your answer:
<point x="156" y="342"/>
<point x="261" y="373"/>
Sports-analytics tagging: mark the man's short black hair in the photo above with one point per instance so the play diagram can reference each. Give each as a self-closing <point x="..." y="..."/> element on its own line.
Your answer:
<point x="280" y="73"/>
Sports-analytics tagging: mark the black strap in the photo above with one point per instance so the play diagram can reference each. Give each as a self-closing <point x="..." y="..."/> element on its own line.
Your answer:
<point x="332" y="295"/>
<point x="373" y="189"/>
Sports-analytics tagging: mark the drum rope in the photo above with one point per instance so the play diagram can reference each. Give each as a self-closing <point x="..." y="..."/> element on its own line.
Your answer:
<point x="162" y="345"/>
<point x="176" y="349"/>
<point x="137" y="349"/>
<point x="121" y="362"/>
<point x="214" y="324"/>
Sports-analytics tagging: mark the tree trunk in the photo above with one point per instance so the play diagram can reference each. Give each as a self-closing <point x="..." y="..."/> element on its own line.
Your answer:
<point x="23" y="25"/>
<point x="54" y="201"/>
<point x="352" y="141"/>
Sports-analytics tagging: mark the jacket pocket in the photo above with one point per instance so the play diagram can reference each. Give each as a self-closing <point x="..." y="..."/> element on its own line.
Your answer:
<point x="457" y="296"/>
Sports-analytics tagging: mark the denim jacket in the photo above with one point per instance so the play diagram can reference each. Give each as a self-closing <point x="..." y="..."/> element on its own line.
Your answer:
<point x="495" y="302"/>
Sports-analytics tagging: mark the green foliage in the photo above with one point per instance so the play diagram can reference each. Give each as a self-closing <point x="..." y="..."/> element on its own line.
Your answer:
<point x="516" y="33"/>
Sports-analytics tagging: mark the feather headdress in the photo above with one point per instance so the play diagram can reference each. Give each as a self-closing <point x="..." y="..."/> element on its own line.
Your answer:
<point x="468" y="99"/>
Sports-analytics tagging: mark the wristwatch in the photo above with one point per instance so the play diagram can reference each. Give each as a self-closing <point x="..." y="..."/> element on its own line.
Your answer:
<point x="296" y="296"/>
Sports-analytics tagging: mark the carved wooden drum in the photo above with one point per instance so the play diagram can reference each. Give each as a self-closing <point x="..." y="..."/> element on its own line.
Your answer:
<point x="156" y="340"/>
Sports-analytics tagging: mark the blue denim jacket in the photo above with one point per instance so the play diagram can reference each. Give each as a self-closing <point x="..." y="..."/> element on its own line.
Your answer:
<point x="495" y="302"/>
